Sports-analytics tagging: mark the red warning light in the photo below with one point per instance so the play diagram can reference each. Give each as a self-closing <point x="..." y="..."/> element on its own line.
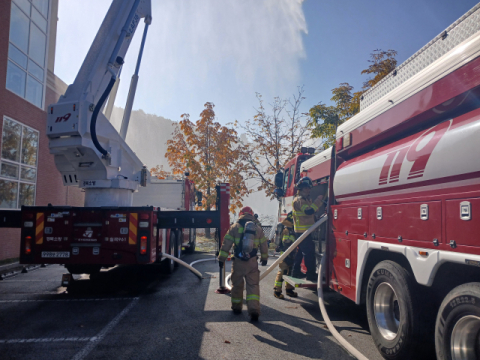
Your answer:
<point x="209" y="221"/>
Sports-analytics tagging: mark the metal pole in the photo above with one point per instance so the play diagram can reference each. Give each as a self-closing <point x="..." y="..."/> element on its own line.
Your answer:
<point x="133" y="88"/>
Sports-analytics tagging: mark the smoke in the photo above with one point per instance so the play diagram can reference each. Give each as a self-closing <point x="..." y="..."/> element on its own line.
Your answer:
<point x="220" y="51"/>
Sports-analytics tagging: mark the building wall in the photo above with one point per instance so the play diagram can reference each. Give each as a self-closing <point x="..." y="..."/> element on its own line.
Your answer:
<point x="49" y="187"/>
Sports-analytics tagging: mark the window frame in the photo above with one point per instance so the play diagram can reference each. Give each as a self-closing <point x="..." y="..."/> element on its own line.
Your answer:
<point x="43" y="82"/>
<point x="20" y="164"/>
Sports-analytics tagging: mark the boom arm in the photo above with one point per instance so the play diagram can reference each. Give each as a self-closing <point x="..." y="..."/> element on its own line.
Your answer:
<point x="88" y="150"/>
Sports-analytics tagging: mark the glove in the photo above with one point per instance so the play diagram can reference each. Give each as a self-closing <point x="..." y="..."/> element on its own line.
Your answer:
<point x="264" y="262"/>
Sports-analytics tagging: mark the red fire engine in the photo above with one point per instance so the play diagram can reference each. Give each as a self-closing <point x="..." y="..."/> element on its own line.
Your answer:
<point x="403" y="185"/>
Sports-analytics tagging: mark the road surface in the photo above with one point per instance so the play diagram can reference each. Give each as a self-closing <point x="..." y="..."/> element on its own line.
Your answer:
<point x="138" y="313"/>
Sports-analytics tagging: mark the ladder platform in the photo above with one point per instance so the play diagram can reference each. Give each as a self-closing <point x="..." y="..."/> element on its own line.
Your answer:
<point x="300" y="283"/>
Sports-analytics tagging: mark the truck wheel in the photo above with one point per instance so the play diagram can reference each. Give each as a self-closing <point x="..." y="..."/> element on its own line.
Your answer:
<point x="192" y="242"/>
<point x="392" y="310"/>
<point x="168" y="265"/>
<point x="457" y="332"/>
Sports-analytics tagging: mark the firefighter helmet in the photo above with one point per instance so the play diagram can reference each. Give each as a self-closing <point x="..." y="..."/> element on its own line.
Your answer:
<point x="246" y="210"/>
<point x="304" y="182"/>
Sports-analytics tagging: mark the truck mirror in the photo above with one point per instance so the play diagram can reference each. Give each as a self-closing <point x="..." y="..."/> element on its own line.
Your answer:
<point x="199" y="198"/>
<point x="279" y="179"/>
<point x="278" y="193"/>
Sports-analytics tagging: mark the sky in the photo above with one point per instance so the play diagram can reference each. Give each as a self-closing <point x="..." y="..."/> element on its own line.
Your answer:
<point x="225" y="51"/>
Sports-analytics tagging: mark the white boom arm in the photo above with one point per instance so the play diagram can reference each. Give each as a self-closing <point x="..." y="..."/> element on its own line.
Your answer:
<point x="88" y="151"/>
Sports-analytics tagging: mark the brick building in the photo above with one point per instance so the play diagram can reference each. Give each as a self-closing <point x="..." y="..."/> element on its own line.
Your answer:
<point x="28" y="175"/>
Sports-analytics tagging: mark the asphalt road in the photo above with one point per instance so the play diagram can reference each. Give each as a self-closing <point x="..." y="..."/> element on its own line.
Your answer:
<point x="139" y="313"/>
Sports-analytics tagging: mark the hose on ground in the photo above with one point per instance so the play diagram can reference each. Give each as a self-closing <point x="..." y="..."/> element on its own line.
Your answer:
<point x="203" y="260"/>
<point x="335" y="333"/>
<point x="183" y="263"/>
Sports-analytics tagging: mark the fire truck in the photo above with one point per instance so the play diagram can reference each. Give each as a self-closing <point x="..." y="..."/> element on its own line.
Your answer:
<point x="402" y="190"/>
<point x="128" y="217"/>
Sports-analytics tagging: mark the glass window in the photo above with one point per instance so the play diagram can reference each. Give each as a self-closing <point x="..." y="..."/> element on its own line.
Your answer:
<point x="35" y="70"/>
<point x="29" y="147"/>
<point x="24" y="5"/>
<point x="16" y="79"/>
<point x="285" y="180"/>
<point x="11" y="137"/>
<point x="27" y="195"/>
<point x="19" y="26"/>
<point x="292" y="169"/>
<point x="38" y="41"/>
<point x="18" y="166"/>
<point x="17" y="56"/>
<point x="8" y="194"/>
<point x="42" y="6"/>
<point x="34" y="92"/>
<point x="39" y="20"/>
<point x="28" y="174"/>
<point x="28" y="46"/>
<point x="9" y="170"/>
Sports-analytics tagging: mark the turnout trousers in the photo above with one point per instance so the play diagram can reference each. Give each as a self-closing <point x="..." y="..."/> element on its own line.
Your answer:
<point x="247" y="270"/>
<point x="284" y="268"/>
<point x="307" y="249"/>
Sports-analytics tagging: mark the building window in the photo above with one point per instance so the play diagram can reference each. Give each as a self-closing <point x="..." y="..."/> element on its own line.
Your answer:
<point x="18" y="165"/>
<point x="27" y="49"/>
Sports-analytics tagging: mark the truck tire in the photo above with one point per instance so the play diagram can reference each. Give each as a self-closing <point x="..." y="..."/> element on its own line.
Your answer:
<point x="457" y="331"/>
<point x="169" y="265"/>
<point x="392" y="311"/>
<point x="192" y="241"/>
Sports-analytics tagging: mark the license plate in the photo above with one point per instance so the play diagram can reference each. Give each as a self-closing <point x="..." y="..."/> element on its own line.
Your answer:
<point x="55" y="254"/>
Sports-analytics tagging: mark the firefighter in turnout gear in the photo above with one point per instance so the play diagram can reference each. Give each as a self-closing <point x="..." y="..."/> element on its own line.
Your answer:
<point x="247" y="238"/>
<point x="303" y="214"/>
<point x="288" y="238"/>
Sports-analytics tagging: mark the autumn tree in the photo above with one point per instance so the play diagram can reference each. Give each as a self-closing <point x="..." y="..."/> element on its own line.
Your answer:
<point x="211" y="153"/>
<point x="162" y="174"/>
<point x="325" y="119"/>
<point x="272" y="138"/>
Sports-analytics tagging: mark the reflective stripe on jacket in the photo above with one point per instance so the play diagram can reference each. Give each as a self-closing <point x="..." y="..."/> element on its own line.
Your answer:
<point x="235" y="234"/>
<point x="302" y="221"/>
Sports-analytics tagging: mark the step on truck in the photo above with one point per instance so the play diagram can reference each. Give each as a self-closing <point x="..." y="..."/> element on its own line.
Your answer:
<point x="403" y="200"/>
<point x="115" y="226"/>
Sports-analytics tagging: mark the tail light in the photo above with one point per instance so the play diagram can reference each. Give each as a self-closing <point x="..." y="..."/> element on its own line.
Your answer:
<point x="28" y="245"/>
<point x="144" y="216"/>
<point x="143" y="245"/>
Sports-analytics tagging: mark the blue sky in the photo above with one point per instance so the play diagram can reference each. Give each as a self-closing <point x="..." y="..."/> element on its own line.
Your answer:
<point x="225" y="51"/>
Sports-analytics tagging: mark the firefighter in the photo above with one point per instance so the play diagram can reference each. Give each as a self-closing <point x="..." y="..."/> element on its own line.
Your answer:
<point x="257" y="221"/>
<point x="244" y="264"/>
<point x="288" y="238"/>
<point x="303" y="214"/>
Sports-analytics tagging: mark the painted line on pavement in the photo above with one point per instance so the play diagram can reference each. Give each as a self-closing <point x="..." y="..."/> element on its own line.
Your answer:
<point x="97" y="339"/>
<point x="46" y="340"/>
<point x="67" y="300"/>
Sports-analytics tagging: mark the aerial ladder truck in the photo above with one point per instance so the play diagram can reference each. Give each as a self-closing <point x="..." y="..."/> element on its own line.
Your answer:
<point x="91" y="154"/>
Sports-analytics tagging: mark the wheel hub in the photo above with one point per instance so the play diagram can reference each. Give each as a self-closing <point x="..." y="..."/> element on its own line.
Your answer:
<point x="386" y="310"/>
<point x="465" y="340"/>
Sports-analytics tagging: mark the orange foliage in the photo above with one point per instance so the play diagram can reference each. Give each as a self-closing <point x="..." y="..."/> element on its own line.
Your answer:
<point x="211" y="153"/>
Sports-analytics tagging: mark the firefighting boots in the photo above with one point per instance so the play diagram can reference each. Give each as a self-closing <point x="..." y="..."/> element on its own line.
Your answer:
<point x="278" y="295"/>
<point x="291" y="293"/>
<point x="254" y="316"/>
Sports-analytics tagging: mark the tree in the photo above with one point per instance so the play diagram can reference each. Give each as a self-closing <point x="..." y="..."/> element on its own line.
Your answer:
<point x="211" y="153"/>
<point x="326" y="119"/>
<point x="161" y="174"/>
<point x="271" y="139"/>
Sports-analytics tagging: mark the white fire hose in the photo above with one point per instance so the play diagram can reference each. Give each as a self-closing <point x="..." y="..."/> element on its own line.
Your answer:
<point x="321" y="269"/>
<point x="183" y="263"/>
